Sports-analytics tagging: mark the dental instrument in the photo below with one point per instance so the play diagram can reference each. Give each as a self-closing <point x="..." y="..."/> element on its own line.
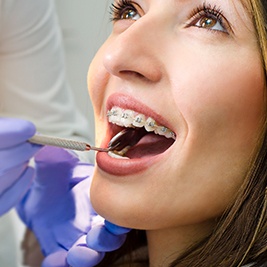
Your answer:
<point x="126" y="138"/>
<point x="119" y="141"/>
<point x="64" y="143"/>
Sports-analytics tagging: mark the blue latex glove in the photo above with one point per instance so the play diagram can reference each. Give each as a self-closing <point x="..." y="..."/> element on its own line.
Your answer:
<point x="57" y="208"/>
<point x="15" y="152"/>
<point x="103" y="237"/>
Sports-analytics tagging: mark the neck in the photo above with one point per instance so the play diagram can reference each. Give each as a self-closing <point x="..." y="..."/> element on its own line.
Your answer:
<point x="166" y="245"/>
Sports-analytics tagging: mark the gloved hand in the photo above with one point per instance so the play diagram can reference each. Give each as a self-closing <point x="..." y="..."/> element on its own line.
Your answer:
<point x="15" y="152"/>
<point x="103" y="237"/>
<point x="57" y="208"/>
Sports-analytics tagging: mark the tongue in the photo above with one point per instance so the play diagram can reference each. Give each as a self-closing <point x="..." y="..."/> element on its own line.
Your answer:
<point x="142" y="144"/>
<point x="149" y="145"/>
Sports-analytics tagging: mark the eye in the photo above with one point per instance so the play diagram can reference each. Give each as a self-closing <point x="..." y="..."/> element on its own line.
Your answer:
<point x="210" y="22"/>
<point x="209" y="18"/>
<point x="124" y="10"/>
<point x="130" y="14"/>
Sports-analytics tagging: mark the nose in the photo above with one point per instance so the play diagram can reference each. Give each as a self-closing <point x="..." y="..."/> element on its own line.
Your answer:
<point x="135" y="52"/>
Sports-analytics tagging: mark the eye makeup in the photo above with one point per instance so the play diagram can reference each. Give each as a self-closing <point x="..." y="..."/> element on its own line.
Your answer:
<point x="209" y="15"/>
<point x="205" y="16"/>
<point x="119" y="9"/>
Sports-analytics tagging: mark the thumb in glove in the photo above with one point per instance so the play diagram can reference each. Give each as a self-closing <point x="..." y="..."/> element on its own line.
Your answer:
<point x="15" y="152"/>
<point x="102" y="237"/>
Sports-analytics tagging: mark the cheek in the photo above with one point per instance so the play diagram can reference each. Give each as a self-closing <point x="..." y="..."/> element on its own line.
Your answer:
<point x="223" y="107"/>
<point x="224" y="113"/>
<point x="223" y="98"/>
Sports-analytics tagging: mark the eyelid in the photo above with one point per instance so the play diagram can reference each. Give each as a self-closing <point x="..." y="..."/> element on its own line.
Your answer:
<point x="212" y="11"/>
<point x="121" y="6"/>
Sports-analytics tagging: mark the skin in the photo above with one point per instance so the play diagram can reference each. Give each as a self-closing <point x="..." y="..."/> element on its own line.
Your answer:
<point x="213" y="85"/>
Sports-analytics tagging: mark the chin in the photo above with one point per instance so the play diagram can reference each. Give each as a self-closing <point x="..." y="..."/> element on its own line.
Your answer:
<point x="113" y="203"/>
<point x="105" y="200"/>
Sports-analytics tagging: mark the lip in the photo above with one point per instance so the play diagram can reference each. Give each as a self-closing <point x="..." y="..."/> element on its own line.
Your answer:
<point x="123" y="167"/>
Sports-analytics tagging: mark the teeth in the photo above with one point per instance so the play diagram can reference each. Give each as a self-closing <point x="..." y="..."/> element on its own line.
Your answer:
<point x="150" y="125"/>
<point x="139" y="120"/>
<point x="129" y="118"/>
<point x="116" y="156"/>
<point x="115" y="115"/>
<point x="162" y="130"/>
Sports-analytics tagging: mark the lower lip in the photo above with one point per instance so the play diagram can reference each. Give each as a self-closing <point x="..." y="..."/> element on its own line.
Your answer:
<point x="123" y="167"/>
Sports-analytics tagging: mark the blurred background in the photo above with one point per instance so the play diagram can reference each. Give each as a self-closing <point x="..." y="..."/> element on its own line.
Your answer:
<point x="85" y="24"/>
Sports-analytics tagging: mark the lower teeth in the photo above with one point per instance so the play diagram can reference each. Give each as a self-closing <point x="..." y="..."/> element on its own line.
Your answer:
<point x="115" y="155"/>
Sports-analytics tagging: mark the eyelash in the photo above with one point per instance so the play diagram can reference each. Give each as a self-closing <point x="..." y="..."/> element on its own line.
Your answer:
<point x="209" y="11"/>
<point x="204" y="10"/>
<point x="117" y="10"/>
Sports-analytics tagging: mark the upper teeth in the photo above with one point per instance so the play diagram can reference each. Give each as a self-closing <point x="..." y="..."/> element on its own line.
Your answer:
<point x="130" y="118"/>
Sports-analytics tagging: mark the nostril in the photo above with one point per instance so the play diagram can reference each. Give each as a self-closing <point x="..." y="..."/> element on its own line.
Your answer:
<point x="133" y="74"/>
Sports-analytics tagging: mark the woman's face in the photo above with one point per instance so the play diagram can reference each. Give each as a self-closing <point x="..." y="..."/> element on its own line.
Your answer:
<point x="190" y="71"/>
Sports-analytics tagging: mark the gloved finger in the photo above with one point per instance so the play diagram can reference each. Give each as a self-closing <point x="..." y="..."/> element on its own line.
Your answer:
<point x="80" y="172"/>
<point x="54" y="167"/>
<point x="99" y="238"/>
<point x="115" y="229"/>
<point x="56" y="259"/>
<point x="77" y="219"/>
<point x="10" y="197"/>
<point x="13" y="157"/>
<point x="15" y="131"/>
<point x="67" y="233"/>
<point x="11" y="176"/>
<point x="82" y="256"/>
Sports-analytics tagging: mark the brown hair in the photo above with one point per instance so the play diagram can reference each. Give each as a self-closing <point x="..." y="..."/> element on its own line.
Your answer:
<point x="258" y="11"/>
<point x="240" y="236"/>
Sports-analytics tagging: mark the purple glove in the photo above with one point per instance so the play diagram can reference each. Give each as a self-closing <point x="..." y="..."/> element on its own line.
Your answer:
<point x="15" y="152"/>
<point x="57" y="208"/>
<point x="103" y="237"/>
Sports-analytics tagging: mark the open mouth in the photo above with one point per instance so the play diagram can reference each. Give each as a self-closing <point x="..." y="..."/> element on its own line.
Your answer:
<point x="137" y="136"/>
